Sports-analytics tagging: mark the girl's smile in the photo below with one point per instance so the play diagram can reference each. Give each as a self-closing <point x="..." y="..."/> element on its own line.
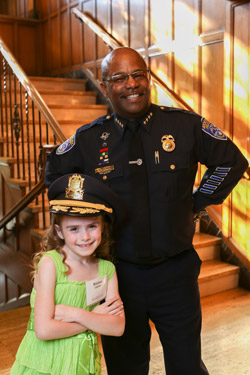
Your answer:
<point x="82" y="235"/>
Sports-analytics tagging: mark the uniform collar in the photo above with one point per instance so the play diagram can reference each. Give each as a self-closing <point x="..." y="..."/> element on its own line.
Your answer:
<point x="145" y="121"/>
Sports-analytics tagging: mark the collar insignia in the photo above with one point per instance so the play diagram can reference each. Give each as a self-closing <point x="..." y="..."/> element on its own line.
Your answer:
<point x="119" y="123"/>
<point x="146" y="120"/>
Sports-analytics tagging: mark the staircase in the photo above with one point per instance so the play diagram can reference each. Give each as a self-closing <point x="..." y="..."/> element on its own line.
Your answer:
<point x="69" y="101"/>
<point x="73" y="106"/>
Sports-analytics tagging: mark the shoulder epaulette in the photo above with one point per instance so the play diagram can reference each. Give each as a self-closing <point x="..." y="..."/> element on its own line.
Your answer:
<point x="98" y="121"/>
<point x="175" y="109"/>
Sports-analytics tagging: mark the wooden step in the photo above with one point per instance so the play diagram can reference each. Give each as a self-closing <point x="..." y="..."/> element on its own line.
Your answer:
<point x="207" y="246"/>
<point x="68" y="97"/>
<point x="52" y="83"/>
<point x="68" y="112"/>
<point x="57" y="97"/>
<point x="227" y="297"/>
<point x="217" y="276"/>
<point x="86" y="113"/>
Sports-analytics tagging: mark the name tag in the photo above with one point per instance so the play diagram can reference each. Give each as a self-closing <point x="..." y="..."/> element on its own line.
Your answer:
<point x="96" y="290"/>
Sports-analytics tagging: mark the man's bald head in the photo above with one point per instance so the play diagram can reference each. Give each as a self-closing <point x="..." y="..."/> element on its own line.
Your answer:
<point x="118" y="52"/>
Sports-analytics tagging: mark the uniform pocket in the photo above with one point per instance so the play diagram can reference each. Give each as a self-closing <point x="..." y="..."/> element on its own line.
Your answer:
<point x="173" y="172"/>
<point x="172" y="163"/>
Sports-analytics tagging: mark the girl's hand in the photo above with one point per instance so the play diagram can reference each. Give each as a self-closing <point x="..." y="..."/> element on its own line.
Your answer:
<point x="64" y="313"/>
<point x="113" y="306"/>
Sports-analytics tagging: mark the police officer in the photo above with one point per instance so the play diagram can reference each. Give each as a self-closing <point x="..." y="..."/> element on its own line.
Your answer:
<point x="149" y="154"/>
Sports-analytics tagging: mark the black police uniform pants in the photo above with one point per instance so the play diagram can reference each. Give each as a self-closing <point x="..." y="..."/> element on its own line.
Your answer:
<point x="167" y="294"/>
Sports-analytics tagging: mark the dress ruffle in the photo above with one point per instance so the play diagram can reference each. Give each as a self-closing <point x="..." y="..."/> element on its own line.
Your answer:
<point x="78" y="355"/>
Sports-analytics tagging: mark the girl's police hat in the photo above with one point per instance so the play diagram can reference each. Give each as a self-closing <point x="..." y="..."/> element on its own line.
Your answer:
<point x="81" y="195"/>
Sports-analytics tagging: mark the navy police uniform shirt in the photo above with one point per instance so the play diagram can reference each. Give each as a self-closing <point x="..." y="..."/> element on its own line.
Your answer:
<point x="174" y="141"/>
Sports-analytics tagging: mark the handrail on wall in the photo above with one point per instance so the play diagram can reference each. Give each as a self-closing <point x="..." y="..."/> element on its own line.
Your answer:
<point x="112" y="43"/>
<point x="98" y="30"/>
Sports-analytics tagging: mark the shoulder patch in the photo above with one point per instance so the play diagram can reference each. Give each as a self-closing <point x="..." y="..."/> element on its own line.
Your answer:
<point x="212" y="130"/>
<point x="66" y="146"/>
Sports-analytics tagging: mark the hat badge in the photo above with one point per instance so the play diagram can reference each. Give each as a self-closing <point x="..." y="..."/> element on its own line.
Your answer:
<point x="168" y="143"/>
<point x="75" y="187"/>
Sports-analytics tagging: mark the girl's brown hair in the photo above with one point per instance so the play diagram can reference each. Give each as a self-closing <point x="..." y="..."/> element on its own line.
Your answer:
<point x="51" y="241"/>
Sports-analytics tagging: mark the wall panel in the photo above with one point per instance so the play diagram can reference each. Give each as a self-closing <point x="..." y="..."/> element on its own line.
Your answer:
<point x="89" y="38"/>
<point x="212" y="90"/>
<point x="46" y="50"/>
<point x="160" y="18"/>
<point x="54" y="5"/>
<point x="120" y="18"/>
<point x="238" y="122"/>
<point x="76" y="36"/>
<point x="7" y="32"/>
<point x="213" y="15"/>
<point x="22" y="38"/>
<point x="27" y="42"/>
<point x="55" y="39"/>
<point x="65" y="40"/>
<point x="43" y="9"/>
<point x="137" y="24"/>
<point x="184" y="75"/>
<point x="212" y="83"/>
<point x="104" y="16"/>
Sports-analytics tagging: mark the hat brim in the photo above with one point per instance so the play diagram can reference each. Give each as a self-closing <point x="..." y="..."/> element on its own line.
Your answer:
<point x="74" y="208"/>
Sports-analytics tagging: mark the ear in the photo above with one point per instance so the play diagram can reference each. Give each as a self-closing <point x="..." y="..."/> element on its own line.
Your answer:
<point x="59" y="232"/>
<point x="104" y="89"/>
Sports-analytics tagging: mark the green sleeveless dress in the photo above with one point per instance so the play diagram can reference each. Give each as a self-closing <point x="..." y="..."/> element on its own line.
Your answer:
<point x="75" y="355"/>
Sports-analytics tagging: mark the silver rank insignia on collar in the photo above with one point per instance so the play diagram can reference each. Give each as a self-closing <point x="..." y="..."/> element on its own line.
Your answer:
<point x="168" y="143"/>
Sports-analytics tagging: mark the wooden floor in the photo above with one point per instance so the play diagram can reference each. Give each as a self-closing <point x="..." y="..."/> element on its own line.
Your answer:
<point x="225" y="335"/>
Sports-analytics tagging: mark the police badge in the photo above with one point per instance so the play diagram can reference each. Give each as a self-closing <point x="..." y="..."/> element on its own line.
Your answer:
<point x="168" y="143"/>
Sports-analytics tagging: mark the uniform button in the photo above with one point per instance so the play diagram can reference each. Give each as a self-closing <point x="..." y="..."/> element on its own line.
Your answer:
<point x="104" y="178"/>
<point x="108" y="117"/>
<point x="172" y="166"/>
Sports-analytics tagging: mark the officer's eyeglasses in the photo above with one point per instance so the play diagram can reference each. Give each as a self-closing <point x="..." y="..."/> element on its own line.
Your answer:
<point x="122" y="78"/>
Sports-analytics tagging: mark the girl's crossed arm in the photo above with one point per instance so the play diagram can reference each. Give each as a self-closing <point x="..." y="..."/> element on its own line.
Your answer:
<point x="46" y="327"/>
<point x="106" y="319"/>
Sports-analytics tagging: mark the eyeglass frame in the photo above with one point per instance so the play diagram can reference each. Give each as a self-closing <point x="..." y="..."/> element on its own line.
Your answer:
<point x="127" y="75"/>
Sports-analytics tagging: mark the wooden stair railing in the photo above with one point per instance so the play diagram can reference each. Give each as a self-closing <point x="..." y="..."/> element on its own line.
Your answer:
<point x="27" y="125"/>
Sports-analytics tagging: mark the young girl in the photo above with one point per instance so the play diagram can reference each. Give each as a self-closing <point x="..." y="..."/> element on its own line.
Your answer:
<point x="72" y="277"/>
